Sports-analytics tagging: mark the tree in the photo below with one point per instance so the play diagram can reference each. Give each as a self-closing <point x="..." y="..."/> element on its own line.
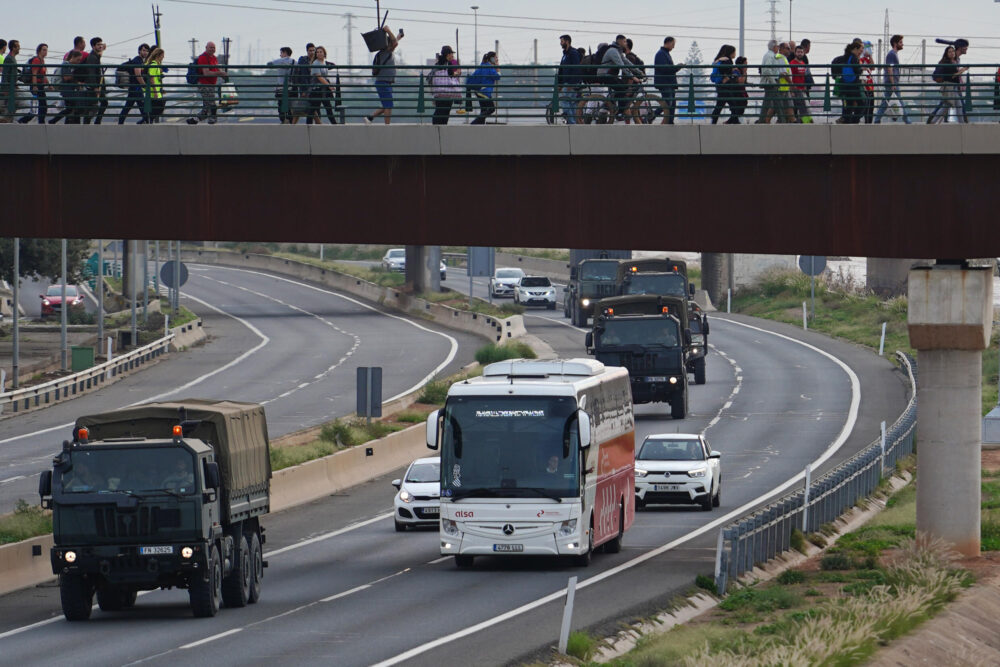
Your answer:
<point x="694" y="58"/>
<point x="42" y="258"/>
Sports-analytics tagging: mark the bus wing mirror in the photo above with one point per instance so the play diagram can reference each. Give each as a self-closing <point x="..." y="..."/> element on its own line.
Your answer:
<point x="212" y="479"/>
<point x="691" y="289"/>
<point x="45" y="484"/>
<point x="432" y="429"/>
<point x="584" y="428"/>
<point x="704" y="326"/>
<point x="590" y="341"/>
<point x="687" y="337"/>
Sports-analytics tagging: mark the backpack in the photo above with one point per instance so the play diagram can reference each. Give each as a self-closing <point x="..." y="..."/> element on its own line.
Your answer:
<point x="717" y="76"/>
<point x="599" y="60"/>
<point x="193" y="73"/>
<point x="25" y="77"/>
<point x="123" y="74"/>
<point x="376" y="65"/>
<point x="837" y="67"/>
<point x="588" y="66"/>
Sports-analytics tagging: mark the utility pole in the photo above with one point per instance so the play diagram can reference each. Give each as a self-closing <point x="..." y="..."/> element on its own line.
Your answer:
<point x="194" y="47"/>
<point x="15" y="367"/>
<point x="743" y="8"/>
<point x="790" y="37"/>
<point x="774" y="11"/>
<point x="536" y="52"/>
<point x="496" y="47"/>
<point x="350" y="38"/>
<point x="475" y="35"/>
<point x="156" y="23"/>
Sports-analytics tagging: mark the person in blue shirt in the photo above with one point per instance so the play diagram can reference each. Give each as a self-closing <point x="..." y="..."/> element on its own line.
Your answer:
<point x="482" y="84"/>
<point x="891" y="80"/>
<point x="665" y="77"/>
<point x="569" y="77"/>
<point x="850" y="83"/>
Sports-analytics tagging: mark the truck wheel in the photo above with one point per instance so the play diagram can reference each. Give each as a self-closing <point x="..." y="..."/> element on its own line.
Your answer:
<point x="677" y="408"/>
<point x="236" y="587"/>
<point x="615" y="545"/>
<point x="206" y="596"/>
<point x="76" y="595"/>
<point x="256" y="568"/>
<point x="463" y="562"/>
<point x="115" y="597"/>
<point x="579" y="319"/>
<point x="699" y="371"/>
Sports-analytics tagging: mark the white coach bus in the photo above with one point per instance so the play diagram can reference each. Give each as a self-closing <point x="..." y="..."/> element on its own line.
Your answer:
<point x="537" y="458"/>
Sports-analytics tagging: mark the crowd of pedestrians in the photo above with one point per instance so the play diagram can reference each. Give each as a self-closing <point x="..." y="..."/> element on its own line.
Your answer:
<point x="76" y="87"/>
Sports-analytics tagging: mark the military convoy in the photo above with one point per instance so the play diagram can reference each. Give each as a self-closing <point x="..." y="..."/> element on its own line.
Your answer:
<point x="161" y="495"/>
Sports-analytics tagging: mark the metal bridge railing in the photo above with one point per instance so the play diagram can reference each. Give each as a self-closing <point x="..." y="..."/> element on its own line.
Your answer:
<point x="764" y="533"/>
<point x="522" y="95"/>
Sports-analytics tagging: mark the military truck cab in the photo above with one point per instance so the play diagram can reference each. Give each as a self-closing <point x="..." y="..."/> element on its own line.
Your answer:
<point x="160" y="496"/>
<point x="589" y="281"/>
<point x="648" y="335"/>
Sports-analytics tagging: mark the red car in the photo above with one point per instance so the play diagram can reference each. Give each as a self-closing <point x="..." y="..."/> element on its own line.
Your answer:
<point x="52" y="299"/>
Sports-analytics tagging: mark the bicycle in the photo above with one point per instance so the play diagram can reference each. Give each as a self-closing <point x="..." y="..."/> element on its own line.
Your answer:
<point x="647" y="106"/>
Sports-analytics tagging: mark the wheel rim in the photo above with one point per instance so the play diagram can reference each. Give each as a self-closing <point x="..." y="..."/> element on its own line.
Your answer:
<point x="247" y="573"/>
<point x="217" y="582"/>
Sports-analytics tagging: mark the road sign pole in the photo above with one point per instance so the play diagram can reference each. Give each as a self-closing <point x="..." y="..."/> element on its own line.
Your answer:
<point x="64" y="311"/>
<point x="16" y="314"/>
<point x="133" y="255"/>
<point x="567" y="618"/>
<point x="99" y="288"/>
<point x="812" y="286"/>
<point x="177" y="280"/>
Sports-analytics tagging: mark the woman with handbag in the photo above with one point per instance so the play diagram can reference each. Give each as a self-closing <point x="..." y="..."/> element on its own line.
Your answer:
<point x="948" y="74"/>
<point x="323" y="89"/>
<point x="446" y="86"/>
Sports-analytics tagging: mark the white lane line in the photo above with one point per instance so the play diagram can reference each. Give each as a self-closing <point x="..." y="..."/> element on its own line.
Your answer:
<point x="212" y="638"/>
<point x="430" y="376"/>
<point x="265" y="340"/>
<point x="326" y="536"/>
<point x="354" y="590"/>
<point x="845" y="432"/>
<point x="17" y="631"/>
<point x="736" y="388"/>
<point x="11" y="479"/>
<point x="552" y="320"/>
<point x="438" y="560"/>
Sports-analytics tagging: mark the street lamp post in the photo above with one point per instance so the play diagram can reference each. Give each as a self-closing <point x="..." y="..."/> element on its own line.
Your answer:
<point x="742" y="27"/>
<point x="790" y="20"/>
<point x="475" y="34"/>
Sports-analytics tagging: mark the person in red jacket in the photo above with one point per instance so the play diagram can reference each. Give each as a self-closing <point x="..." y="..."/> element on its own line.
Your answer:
<point x="800" y="71"/>
<point x="210" y="73"/>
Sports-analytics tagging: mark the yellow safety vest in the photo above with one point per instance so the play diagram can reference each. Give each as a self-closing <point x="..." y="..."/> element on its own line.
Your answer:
<point x="155" y="72"/>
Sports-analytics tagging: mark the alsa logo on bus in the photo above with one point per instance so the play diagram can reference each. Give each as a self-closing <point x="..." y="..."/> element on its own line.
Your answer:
<point x="607" y="512"/>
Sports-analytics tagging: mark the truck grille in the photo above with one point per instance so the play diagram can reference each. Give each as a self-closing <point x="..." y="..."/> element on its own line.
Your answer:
<point x="142" y="522"/>
<point x="638" y="363"/>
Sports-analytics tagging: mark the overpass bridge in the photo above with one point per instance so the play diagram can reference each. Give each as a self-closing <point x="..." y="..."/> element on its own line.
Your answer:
<point x="877" y="191"/>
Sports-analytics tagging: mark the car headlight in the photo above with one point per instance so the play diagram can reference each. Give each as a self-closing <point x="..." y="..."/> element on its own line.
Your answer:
<point x="405" y="496"/>
<point x="697" y="472"/>
<point x="673" y="380"/>
<point x="70" y="556"/>
<point x="187" y="552"/>
<point x="585" y="302"/>
<point x="46" y="302"/>
<point x="567" y="528"/>
<point x="694" y="350"/>
<point x="449" y="527"/>
<point x="639" y="472"/>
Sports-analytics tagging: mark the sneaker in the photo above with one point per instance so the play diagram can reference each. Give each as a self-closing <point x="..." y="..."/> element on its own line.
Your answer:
<point x="368" y="120"/>
<point x="192" y="121"/>
<point x="211" y="121"/>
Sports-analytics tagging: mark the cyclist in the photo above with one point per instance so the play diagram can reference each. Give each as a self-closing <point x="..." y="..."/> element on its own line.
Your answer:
<point x="633" y="90"/>
<point x="617" y="75"/>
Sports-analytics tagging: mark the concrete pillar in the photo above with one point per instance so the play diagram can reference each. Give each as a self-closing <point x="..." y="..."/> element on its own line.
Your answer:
<point x="888" y="276"/>
<point x="715" y="277"/>
<point x="950" y="318"/>
<point x="423" y="268"/>
<point x="132" y="268"/>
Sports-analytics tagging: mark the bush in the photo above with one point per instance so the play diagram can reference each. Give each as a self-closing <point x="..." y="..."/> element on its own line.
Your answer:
<point x="434" y="392"/>
<point x="706" y="582"/>
<point x="410" y="417"/>
<point x="789" y="577"/>
<point x="836" y="561"/>
<point x="25" y="522"/>
<point x="798" y="541"/>
<point x="491" y="353"/>
<point x="580" y="645"/>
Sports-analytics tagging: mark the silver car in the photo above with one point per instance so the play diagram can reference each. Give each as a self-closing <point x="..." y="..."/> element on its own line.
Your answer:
<point x="504" y="281"/>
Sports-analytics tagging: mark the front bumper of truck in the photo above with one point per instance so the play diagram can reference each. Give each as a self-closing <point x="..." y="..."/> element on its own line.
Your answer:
<point x="145" y="564"/>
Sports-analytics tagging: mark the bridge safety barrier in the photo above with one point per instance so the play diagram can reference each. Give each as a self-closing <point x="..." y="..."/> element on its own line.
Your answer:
<point x="527" y="94"/>
<point x="764" y="533"/>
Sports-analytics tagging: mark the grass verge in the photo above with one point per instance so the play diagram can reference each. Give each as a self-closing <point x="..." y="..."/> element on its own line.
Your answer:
<point x="513" y="350"/>
<point x="25" y="522"/>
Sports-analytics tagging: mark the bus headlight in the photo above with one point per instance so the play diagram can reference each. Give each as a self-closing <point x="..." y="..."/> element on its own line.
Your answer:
<point x="449" y="527"/>
<point x="567" y="528"/>
<point x="70" y="556"/>
<point x="697" y="472"/>
<point x="187" y="552"/>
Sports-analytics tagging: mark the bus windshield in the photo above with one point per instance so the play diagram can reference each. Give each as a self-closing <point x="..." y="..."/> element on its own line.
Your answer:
<point x="599" y="271"/>
<point x="667" y="284"/>
<point x="510" y="446"/>
<point x="121" y="470"/>
<point x="639" y="331"/>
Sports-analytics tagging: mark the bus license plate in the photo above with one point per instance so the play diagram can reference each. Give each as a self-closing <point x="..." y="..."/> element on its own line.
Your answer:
<point x="508" y="548"/>
<point x="155" y="551"/>
<point x="667" y="487"/>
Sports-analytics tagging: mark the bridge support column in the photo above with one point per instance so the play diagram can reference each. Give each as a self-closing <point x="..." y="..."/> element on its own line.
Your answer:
<point x="950" y="320"/>
<point x="423" y="268"/>
<point x="887" y="277"/>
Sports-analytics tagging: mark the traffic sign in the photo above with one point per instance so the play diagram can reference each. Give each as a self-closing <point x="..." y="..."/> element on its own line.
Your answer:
<point x="167" y="274"/>
<point x="812" y="265"/>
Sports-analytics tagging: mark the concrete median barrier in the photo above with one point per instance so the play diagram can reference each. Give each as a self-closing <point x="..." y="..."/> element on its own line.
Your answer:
<point x="24" y="564"/>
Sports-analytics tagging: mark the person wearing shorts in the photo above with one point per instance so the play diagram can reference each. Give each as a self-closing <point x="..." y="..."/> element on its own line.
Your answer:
<point x="384" y="72"/>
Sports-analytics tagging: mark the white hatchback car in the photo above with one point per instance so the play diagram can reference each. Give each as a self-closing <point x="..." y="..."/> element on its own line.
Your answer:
<point x="418" y="500"/>
<point x="677" y="468"/>
<point x="395" y="260"/>
<point x="535" y="291"/>
<point x="504" y="280"/>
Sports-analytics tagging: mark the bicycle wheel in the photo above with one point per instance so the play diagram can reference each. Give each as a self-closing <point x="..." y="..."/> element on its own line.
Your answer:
<point x="596" y="109"/>
<point x="647" y="108"/>
<point x="550" y="117"/>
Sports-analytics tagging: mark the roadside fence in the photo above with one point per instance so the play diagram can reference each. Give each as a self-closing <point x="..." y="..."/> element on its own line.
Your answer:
<point x="523" y="94"/>
<point x="764" y="533"/>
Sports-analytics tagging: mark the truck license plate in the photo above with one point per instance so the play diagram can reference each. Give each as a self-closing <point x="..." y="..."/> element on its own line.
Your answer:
<point x="666" y="487"/>
<point x="508" y="548"/>
<point x="656" y="378"/>
<point x="155" y="551"/>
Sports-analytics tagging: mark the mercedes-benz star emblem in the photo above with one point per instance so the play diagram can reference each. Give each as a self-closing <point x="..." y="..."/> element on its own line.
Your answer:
<point x="508" y="529"/>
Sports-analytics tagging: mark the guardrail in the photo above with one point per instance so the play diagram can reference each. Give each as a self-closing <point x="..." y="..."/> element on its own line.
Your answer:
<point x="61" y="389"/>
<point x="763" y="534"/>
<point x="521" y="94"/>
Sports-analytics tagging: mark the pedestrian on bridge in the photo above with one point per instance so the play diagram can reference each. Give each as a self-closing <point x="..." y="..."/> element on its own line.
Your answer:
<point x="208" y="81"/>
<point x="323" y="88"/>
<point x="890" y="80"/>
<point x="482" y="84"/>
<point x="283" y="65"/>
<point x="665" y="77"/>
<point x="446" y="86"/>
<point x="136" y="84"/>
<point x="948" y="74"/>
<point x="96" y="99"/>
<point x="154" y="70"/>
<point x="8" y="80"/>
<point x="569" y="78"/>
<point x="384" y="73"/>
<point x="38" y="83"/>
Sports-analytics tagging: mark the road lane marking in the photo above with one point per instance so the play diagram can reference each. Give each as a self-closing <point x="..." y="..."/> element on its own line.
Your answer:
<point x="430" y="376"/>
<point x="438" y="560"/>
<point x="326" y="536"/>
<point x="212" y="638"/>
<point x="737" y="371"/>
<point x="841" y="438"/>
<point x="555" y="321"/>
<point x="11" y="479"/>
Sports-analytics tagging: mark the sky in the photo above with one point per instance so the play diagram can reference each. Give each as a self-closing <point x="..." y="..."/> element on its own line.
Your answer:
<point x="259" y="28"/>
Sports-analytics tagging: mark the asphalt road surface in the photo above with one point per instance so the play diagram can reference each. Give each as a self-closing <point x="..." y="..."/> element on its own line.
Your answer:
<point x="344" y="588"/>
<point x="291" y="346"/>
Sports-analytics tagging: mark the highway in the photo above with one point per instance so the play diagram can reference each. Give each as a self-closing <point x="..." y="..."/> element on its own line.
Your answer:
<point x="344" y="588"/>
<point x="288" y="345"/>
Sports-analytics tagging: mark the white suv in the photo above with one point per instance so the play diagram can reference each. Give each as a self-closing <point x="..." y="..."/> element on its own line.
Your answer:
<point x="504" y="280"/>
<point x="677" y="468"/>
<point x="535" y="291"/>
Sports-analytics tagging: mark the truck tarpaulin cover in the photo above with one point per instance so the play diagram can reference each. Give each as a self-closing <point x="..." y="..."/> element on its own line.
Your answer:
<point x="237" y="432"/>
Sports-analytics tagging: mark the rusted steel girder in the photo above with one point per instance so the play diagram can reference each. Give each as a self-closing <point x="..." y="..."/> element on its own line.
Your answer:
<point x="877" y="206"/>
